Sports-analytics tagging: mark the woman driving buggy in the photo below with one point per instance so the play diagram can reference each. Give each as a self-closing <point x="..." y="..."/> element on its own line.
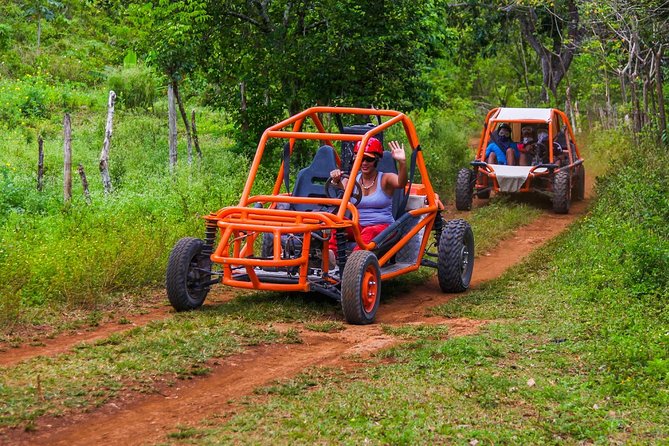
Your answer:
<point x="375" y="207"/>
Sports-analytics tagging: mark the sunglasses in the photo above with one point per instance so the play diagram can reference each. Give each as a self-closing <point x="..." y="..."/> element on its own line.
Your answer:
<point x="369" y="159"/>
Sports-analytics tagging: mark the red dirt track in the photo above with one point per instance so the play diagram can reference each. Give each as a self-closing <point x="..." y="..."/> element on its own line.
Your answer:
<point x="137" y="419"/>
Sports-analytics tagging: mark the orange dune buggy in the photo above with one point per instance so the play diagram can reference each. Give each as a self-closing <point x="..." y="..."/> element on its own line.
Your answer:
<point x="276" y="241"/>
<point x="551" y="164"/>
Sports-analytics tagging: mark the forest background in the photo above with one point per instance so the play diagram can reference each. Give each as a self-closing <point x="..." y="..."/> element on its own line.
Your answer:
<point x="234" y="67"/>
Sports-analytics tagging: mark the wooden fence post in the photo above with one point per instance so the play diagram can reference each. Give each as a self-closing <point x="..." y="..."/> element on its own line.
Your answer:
<point x="104" y="156"/>
<point x="660" y="94"/>
<point x="184" y="117"/>
<point x="40" y="164"/>
<point x="67" y="158"/>
<point x="172" y="120"/>
<point x="195" y="139"/>
<point x="84" y="183"/>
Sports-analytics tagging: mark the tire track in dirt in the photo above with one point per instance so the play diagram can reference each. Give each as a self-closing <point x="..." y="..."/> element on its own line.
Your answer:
<point x="65" y="342"/>
<point x="144" y="419"/>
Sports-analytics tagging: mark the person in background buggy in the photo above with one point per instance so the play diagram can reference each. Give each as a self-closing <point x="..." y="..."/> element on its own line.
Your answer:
<point x="526" y="146"/>
<point x="502" y="149"/>
<point x="537" y="153"/>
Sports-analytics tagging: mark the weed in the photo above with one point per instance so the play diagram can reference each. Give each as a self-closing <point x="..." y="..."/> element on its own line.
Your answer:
<point x="325" y="326"/>
<point x="420" y="331"/>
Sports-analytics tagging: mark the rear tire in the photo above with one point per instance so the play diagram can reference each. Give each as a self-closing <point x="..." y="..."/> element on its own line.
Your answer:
<point x="456" y="256"/>
<point x="464" y="190"/>
<point x="561" y="192"/>
<point x="361" y="288"/>
<point x="185" y="275"/>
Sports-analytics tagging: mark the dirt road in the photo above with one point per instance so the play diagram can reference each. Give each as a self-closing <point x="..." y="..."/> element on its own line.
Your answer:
<point x="135" y="419"/>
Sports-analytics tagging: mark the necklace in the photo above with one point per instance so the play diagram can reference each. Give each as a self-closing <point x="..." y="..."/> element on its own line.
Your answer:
<point x="362" y="183"/>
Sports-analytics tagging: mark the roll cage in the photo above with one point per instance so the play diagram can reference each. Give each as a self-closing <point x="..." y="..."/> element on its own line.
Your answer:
<point x="273" y="213"/>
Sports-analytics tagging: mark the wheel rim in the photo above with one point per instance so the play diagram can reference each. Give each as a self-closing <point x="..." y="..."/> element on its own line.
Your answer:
<point x="370" y="289"/>
<point x="464" y="256"/>
<point x="194" y="277"/>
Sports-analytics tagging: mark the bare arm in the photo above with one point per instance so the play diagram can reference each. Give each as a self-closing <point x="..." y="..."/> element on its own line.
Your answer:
<point x="392" y="181"/>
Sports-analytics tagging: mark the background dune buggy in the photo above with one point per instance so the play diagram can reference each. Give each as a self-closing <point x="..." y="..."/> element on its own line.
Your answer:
<point x="556" y="167"/>
<point x="277" y="241"/>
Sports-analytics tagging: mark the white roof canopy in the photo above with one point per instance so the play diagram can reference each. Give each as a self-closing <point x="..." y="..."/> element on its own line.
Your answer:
<point x="523" y="114"/>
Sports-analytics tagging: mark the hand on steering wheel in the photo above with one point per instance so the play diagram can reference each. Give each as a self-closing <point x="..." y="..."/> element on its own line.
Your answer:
<point x="332" y="191"/>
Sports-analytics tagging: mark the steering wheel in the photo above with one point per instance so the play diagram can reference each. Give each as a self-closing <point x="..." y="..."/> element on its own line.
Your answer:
<point x="334" y="192"/>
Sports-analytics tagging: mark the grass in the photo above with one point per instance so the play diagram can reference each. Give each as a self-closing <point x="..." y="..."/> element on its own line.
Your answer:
<point x="498" y="220"/>
<point x="143" y="358"/>
<point x="177" y="348"/>
<point x="534" y="378"/>
<point x="578" y="353"/>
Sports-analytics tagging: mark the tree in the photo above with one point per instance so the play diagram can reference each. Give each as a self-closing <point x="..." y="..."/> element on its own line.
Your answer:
<point x="41" y="9"/>
<point x="279" y="56"/>
<point x="642" y="28"/>
<point x="554" y="32"/>
<point x="174" y="38"/>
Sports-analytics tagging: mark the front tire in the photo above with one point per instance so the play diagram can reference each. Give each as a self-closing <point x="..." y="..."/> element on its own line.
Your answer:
<point x="361" y="288"/>
<point x="464" y="190"/>
<point x="456" y="256"/>
<point x="561" y="192"/>
<point x="186" y="273"/>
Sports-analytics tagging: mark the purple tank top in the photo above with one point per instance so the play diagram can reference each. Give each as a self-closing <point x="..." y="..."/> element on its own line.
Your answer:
<point x="376" y="209"/>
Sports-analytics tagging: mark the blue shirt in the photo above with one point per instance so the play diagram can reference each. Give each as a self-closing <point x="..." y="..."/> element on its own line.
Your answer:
<point x="501" y="154"/>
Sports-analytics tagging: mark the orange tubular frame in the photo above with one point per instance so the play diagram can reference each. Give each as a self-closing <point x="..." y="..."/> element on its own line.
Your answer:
<point x="491" y="123"/>
<point x="240" y="226"/>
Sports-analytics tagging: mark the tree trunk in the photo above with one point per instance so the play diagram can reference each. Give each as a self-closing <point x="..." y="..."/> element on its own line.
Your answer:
<point x="39" y="32"/>
<point x="570" y="109"/>
<point x="40" y="163"/>
<point x="184" y="117"/>
<point x="646" y="102"/>
<point x="172" y="120"/>
<point x="526" y="71"/>
<point x="67" y="159"/>
<point x="555" y="63"/>
<point x="609" y="108"/>
<point x="104" y="156"/>
<point x="242" y="107"/>
<point x="660" y="95"/>
<point x="636" y="118"/>
<point x="196" y="142"/>
<point x="84" y="183"/>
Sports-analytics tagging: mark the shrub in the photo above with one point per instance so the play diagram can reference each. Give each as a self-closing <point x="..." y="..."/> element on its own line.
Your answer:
<point x="5" y="36"/>
<point x="135" y="86"/>
<point x="615" y="266"/>
<point x="444" y="135"/>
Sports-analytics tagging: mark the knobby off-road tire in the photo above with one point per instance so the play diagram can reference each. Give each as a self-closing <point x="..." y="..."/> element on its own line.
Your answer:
<point x="185" y="277"/>
<point x="361" y="288"/>
<point x="561" y="192"/>
<point x="464" y="190"/>
<point x="456" y="256"/>
<point x="578" y="190"/>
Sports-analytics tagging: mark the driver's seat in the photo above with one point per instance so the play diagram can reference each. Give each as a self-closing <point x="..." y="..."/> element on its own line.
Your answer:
<point x="310" y="181"/>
